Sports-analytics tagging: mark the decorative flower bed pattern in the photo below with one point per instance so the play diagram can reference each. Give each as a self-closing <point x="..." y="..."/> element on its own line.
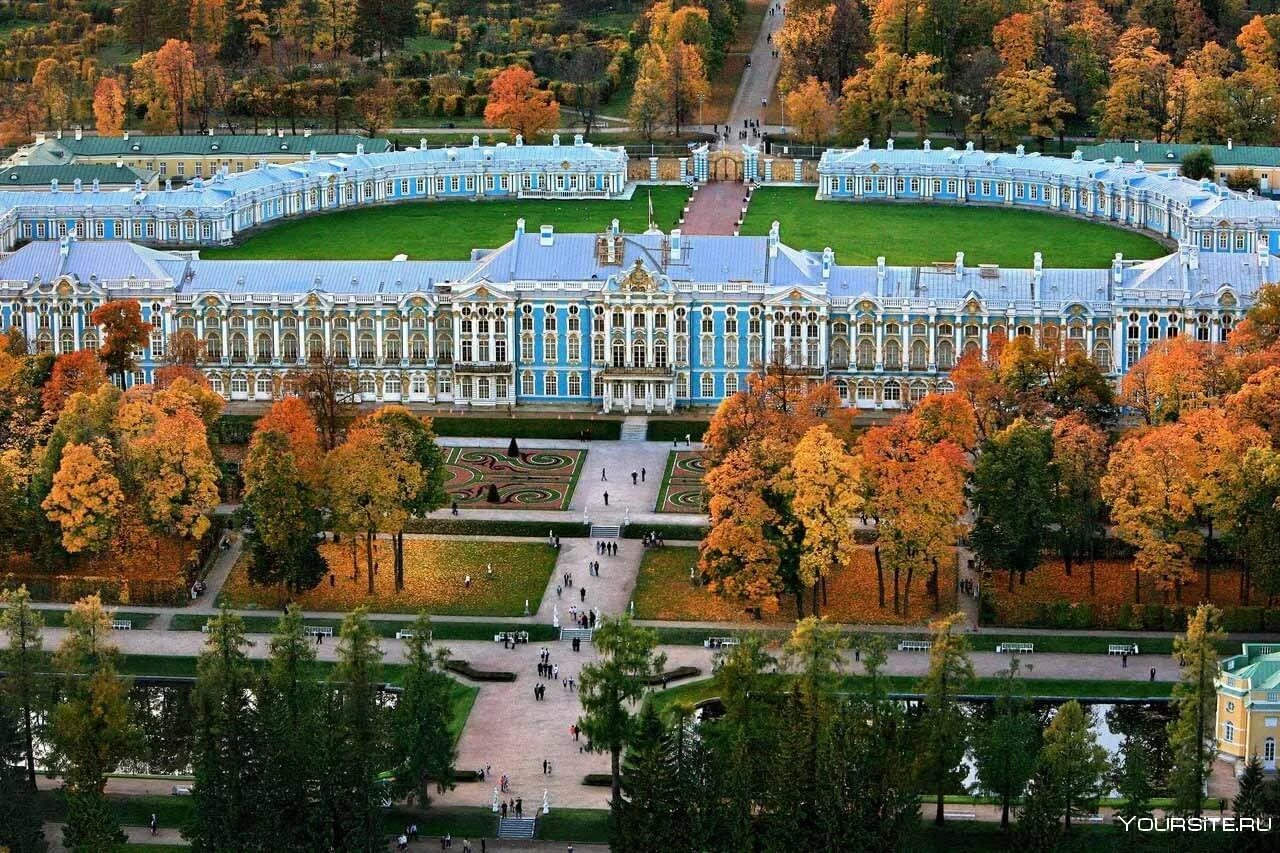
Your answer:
<point x="538" y="479"/>
<point x="682" y="485"/>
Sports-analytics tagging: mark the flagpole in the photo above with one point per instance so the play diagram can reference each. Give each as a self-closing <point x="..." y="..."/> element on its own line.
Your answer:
<point x="651" y="226"/>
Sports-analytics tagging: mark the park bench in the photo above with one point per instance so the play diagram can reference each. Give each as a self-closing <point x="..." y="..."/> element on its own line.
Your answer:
<point x="511" y="636"/>
<point x="719" y="642"/>
<point x="180" y="790"/>
<point x="1015" y="648"/>
<point x="915" y="645"/>
<point x="317" y="631"/>
<point x="960" y="815"/>
<point x="1093" y="818"/>
<point x="121" y="625"/>
<point x="1122" y="649"/>
<point x="407" y="634"/>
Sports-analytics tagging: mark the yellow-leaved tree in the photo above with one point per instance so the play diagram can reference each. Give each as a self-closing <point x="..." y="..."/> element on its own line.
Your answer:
<point x="86" y="498"/>
<point x="177" y="477"/>
<point x="824" y="479"/>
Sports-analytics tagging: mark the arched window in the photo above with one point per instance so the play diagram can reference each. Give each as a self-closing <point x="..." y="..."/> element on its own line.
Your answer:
<point x="262" y="348"/>
<point x="619" y="354"/>
<point x="946" y="355"/>
<point x="289" y="346"/>
<point x="730" y="384"/>
<point x="239" y="347"/>
<point x="708" y="385"/>
<point x="213" y="345"/>
<point x="638" y="354"/>
<point x="919" y="355"/>
<point x="659" y="353"/>
<point x="840" y="354"/>
<point x="368" y="349"/>
<point x="1102" y="356"/>
<point x="418" y="349"/>
<point x="892" y="354"/>
<point x="1269" y="751"/>
<point x="391" y="347"/>
<point x="341" y="350"/>
<point x="315" y="346"/>
<point x="866" y="355"/>
<point x="1229" y="732"/>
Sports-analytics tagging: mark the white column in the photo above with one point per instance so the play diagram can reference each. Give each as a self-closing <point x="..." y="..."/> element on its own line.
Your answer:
<point x="626" y="334"/>
<point x="431" y="334"/>
<point x="933" y="343"/>
<point x="879" y="341"/>
<point x="275" y="336"/>
<point x="226" y="337"/>
<point x="377" y="332"/>
<point x="906" y="342"/>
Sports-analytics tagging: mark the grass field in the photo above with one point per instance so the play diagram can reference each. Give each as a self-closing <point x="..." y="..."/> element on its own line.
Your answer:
<point x="663" y="591"/>
<point x="911" y="234"/>
<point x="435" y="570"/>
<point x="447" y="230"/>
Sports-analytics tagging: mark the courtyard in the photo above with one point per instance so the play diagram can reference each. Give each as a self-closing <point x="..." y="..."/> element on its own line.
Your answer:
<point x="910" y="234"/>
<point x="488" y="477"/>
<point x="447" y="230"/>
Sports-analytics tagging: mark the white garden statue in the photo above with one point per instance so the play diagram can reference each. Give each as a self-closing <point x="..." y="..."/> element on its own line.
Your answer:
<point x="494" y="807"/>
<point x="546" y="804"/>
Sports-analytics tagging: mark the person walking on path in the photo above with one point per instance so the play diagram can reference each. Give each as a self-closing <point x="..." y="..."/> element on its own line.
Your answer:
<point x="155" y="824"/>
<point x="604" y="475"/>
<point x="642" y="472"/>
<point x="606" y="498"/>
<point x="583" y="591"/>
<point x="635" y="478"/>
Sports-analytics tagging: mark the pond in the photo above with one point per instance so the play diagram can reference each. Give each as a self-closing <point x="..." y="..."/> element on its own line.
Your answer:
<point x="163" y="712"/>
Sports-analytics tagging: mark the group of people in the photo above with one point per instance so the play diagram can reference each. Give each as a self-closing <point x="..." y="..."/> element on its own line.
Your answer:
<point x="411" y="834"/>
<point x="515" y="807"/>
<point x="653" y="539"/>
<point x="969" y="586"/>
<point x="608" y="549"/>
<point x="584" y="619"/>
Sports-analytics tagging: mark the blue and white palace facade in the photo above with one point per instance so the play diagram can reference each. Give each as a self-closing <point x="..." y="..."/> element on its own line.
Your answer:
<point x="215" y="210"/>
<point x="613" y="321"/>
<point x="623" y="322"/>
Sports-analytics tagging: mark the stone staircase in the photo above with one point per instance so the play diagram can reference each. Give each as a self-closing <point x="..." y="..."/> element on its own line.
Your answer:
<point x="605" y="531"/>
<point x="517" y="827"/>
<point x="635" y="429"/>
<point x="576" y="634"/>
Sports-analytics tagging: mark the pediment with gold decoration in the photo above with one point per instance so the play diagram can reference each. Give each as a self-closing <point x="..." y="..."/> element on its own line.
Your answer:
<point x="638" y="280"/>
<point x="795" y="296"/>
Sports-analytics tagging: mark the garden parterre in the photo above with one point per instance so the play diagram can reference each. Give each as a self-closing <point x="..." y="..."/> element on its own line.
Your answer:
<point x="537" y="479"/>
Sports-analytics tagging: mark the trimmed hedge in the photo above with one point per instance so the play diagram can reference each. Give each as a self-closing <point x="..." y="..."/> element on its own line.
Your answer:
<point x="464" y="668"/>
<point x="600" y="429"/>
<point x="673" y="675"/>
<point x="672" y="532"/>
<point x="598" y="780"/>
<point x="469" y="527"/>
<point x="1128" y="617"/>
<point x="676" y="429"/>
<point x="234" y="429"/>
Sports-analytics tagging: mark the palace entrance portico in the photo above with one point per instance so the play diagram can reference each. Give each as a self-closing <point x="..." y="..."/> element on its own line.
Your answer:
<point x="630" y="389"/>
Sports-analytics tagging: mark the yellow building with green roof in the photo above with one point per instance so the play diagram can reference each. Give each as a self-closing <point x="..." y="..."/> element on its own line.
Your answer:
<point x="1248" y="721"/>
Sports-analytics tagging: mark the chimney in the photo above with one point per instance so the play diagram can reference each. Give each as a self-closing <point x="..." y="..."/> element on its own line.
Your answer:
<point x="828" y="258"/>
<point x="137" y="185"/>
<point x="968" y="147"/>
<point x="1138" y="164"/>
<point x="613" y="228"/>
<point x="1117" y="268"/>
<point x="119" y="163"/>
<point x="1230" y="143"/>
<point x="311" y="156"/>
<point x="1137" y="146"/>
<point x="126" y="136"/>
<point x="64" y="245"/>
<point x="53" y="185"/>
<point x="1077" y="156"/>
<point x="168" y="184"/>
<point x="306" y="133"/>
<point x="546" y="235"/>
<point x="422" y="143"/>
<point x="77" y="185"/>
<point x="1037" y="273"/>
<point x="959" y="264"/>
<point x="519" y="139"/>
<point x="555" y="140"/>
<point x="79" y="133"/>
<point x="58" y="133"/>
<point x="475" y="141"/>
<point x="95" y="184"/>
<point x="1021" y="151"/>
<point x="40" y="137"/>
<point x="773" y="239"/>
<point x="1118" y="161"/>
<point x="888" y="144"/>
<point x="880" y="276"/>
<point x="675" y="245"/>
<point x="577" y="139"/>
<point x="928" y="145"/>
<point x="866" y="143"/>
<point x="520" y="227"/>
<point x="359" y="148"/>
<point x="279" y="134"/>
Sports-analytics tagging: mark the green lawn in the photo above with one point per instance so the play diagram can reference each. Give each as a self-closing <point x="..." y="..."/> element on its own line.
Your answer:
<point x="57" y="618"/>
<point x="440" y="631"/>
<point x="910" y="234"/>
<point x="447" y="230"/>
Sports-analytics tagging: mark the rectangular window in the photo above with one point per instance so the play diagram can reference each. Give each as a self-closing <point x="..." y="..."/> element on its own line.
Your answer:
<point x="551" y="385"/>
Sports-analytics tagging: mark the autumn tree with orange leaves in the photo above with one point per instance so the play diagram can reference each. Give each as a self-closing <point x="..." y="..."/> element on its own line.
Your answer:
<point x="291" y="417"/>
<point x="753" y="551"/>
<point x="86" y="500"/>
<point x="1168" y="377"/>
<point x="177" y="478"/>
<point x="124" y="332"/>
<point x="108" y="107"/>
<point x="517" y="104"/>
<point x="915" y="490"/>
<point x="1170" y="487"/>
<point x="1078" y="462"/>
<point x="74" y="371"/>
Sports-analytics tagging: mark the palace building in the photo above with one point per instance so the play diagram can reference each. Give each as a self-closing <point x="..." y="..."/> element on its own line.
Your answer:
<point x="613" y="321"/>
<point x="1248" y="719"/>
<point x="623" y="322"/>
